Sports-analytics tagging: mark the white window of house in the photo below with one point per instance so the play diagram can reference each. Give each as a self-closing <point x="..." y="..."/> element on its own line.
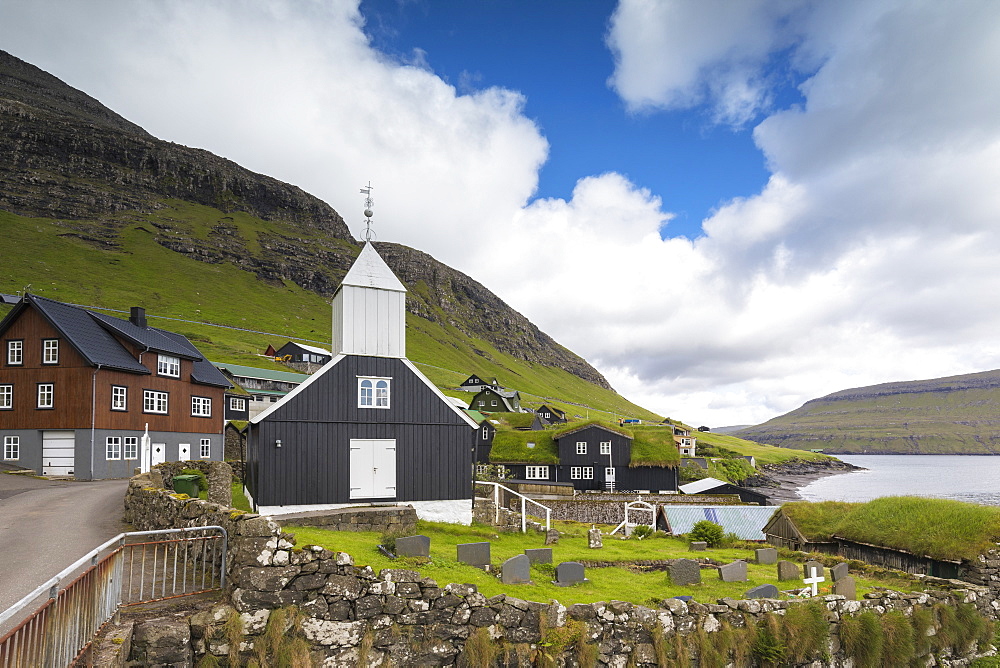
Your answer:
<point x="6" y="397"/>
<point x="237" y="404"/>
<point x="588" y="472"/>
<point x="537" y="472"/>
<point x="46" y="395"/>
<point x="581" y="447"/>
<point x="575" y="472"/>
<point x="50" y="351"/>
<point x="206" y="448"/>
<point x="168" y="366"/>
<point x="11" y="447"/>
<point x="531" y="444"/>
<point x="493" y="403"/>
<point x="113" y="448"/>
<point x="482" y="402"/>
<point x="486" y="433"/>
<point x="201" y="407"/>
<point x="547" y="415"/>
<point x="605" y="447"/>
<point x="482" y="468"/>
<point x="119" y="398"/>
<point x="154" y="402"/>
<point x="609" y="472"/>
<point x="15" y="352"/>
<point x="130" y="447"/>
<point x="373" y="392"/>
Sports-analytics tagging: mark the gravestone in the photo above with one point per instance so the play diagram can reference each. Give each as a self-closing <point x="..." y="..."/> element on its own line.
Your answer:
<point x="413" y="546"/>
<point x="787" y="570"/>
<point x="551" y="537"/>
<point x="766" y="555"/>
<point x="569" y="573"/>
<point x="594" y="538"/>
<point x="846" y="587"/>
<point x="474" y="554"/>
<point x="684" y="572"/>
<point x="811" y="564"/>
<point x="734" y="572"/>
<point x="541" y="555"/>
<point x="698" y="546"/>
<point x="762" y="591"/>
<point x="516" y="570"/>
<point x="838" y="571"/>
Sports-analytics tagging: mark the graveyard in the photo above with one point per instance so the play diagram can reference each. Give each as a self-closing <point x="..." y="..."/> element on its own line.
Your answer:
<point x="644" y="571"/>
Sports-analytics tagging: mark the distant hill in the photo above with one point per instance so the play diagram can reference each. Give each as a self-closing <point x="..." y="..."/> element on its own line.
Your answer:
<point x="953" y="415"/>
<point x="95" y="210"/>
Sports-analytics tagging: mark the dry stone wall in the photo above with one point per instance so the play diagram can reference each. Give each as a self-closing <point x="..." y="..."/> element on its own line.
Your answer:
<point x="354" y="615"/>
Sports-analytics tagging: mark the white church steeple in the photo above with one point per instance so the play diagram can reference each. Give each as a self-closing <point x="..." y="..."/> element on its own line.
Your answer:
<point x="369" y="307"/>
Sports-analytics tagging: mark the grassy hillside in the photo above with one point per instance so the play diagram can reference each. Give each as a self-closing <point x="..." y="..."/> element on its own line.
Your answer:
<point x="955" y="415"/>
<point x="135" y="270"/>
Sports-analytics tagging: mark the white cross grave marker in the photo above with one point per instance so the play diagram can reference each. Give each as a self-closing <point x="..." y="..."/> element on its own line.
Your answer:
<point x="813" y="580"/>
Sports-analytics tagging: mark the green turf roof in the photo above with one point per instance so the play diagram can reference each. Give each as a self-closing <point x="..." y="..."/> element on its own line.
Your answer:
<point x="514" y="420"/>
<point x="511" y="446"/>
<point x="654" y="446"/>
<point x="938" y="528"/>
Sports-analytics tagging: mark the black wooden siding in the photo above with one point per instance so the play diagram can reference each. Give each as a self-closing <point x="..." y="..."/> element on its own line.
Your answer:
<point x="627" y="479"/>
<point x="621" y="448"/>
<point x="433" y="444"/>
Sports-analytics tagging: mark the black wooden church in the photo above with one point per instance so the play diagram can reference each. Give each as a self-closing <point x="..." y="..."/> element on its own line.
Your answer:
<point x="368" y="427"/>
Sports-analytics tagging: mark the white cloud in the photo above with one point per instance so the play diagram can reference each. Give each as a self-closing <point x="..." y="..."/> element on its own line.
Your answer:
<point x="868" y="256"/>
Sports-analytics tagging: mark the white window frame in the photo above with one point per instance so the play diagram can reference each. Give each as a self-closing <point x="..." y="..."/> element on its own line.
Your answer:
<point x="119" y="398"/>
<point x="201" y="407"/>
<point x="605" y="447"/>
<point x="482" y="402"/>
<point x="15" y="352"/>
<point x="237" y="404"/>
<point x="609" y="471"/>
<point x="588" y="472"/>
<point x="113" y="448"/>
<point x="581" y="447"/>
<point x="482" y="468"/>
<point x="50" y="351"/>
<point x="168" y="365"/>
<point x="575" y="472"/>
<point x="205" y="448"/>
<point x="46" y="392"/>
<point x="374" y="392"/>
<point x="7" y="397"/>
<point x="486" y="433"/>
<point x="130" y="447"/>
<point x="11" y="448"/>
<point x="493" y="402"/>
<point x="152" y="399"/>
<point x="536" y="473"/>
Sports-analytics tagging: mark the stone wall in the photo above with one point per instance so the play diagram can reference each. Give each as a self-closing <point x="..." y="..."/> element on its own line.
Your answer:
<point x="395" y="520"/>
<point x="985" y="572"/>
<point x="355" y="616"/>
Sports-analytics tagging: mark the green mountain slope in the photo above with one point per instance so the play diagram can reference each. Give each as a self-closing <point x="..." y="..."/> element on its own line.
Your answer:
<point x="953" y="415"/>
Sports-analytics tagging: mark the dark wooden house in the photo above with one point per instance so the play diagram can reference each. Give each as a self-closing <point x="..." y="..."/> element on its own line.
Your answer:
<point x="294" y="351"/>
<point x="550" y="415"/>
<point x="591" y="456"/>
<point x="782" y="531"/>
<point x="79" y="388"/>
<point x="492" y="400"/>
<point x="368" y="427"/>
<point x="476" y="383"/>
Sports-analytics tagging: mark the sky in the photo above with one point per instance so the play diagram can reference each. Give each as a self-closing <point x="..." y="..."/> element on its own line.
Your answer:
<point x="729" y="207"/>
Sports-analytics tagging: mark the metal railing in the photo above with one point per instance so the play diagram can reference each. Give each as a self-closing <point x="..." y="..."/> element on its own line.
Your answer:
<point x="524" y="520"/>
<point x="59" y="632"/>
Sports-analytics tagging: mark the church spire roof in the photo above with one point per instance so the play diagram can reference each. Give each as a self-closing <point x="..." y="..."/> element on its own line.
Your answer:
<point x="370" y="271"/>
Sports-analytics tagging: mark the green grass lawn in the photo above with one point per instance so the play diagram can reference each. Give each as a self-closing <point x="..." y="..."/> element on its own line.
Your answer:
<point x="622" y="583"/>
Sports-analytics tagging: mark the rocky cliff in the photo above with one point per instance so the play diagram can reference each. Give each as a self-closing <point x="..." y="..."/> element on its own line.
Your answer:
<point x="69" y="158"/>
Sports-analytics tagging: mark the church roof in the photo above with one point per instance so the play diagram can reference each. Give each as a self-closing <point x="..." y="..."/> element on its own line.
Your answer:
<point x="370" y="271"/>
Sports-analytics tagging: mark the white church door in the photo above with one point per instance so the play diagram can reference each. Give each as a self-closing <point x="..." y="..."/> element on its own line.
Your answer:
<point x="373" y="468"/>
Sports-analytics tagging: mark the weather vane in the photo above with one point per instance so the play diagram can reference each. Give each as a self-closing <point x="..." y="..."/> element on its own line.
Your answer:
<point x="369" y="203"/>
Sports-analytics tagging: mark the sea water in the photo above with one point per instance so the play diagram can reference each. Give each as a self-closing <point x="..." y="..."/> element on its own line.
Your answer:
<point x="970" y="478"/>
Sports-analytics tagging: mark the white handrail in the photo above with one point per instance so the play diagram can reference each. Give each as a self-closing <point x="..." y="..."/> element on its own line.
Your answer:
<point x="524" y="522"/>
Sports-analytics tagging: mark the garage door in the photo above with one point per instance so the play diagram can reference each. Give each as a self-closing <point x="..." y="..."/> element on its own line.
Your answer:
<point x="58" y="449"/>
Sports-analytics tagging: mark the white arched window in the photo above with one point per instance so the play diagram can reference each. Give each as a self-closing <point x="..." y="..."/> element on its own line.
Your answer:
<point x="373" y="392"/>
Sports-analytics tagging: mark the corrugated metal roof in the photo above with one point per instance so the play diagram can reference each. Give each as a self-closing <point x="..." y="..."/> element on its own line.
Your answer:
<point x="263" y="374"/>
<point x="747" y="522"/>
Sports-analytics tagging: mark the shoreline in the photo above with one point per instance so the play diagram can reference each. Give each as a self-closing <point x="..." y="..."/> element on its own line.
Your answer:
<point x="781" y="483"/>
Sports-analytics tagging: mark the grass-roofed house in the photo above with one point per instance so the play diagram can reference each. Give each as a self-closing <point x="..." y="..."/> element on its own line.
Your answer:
<point x="592" y="456"/>
<point x="368" y="427"/>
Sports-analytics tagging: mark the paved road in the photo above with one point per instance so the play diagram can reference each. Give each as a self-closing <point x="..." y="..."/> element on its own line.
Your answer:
<point x="46" y="525"/>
